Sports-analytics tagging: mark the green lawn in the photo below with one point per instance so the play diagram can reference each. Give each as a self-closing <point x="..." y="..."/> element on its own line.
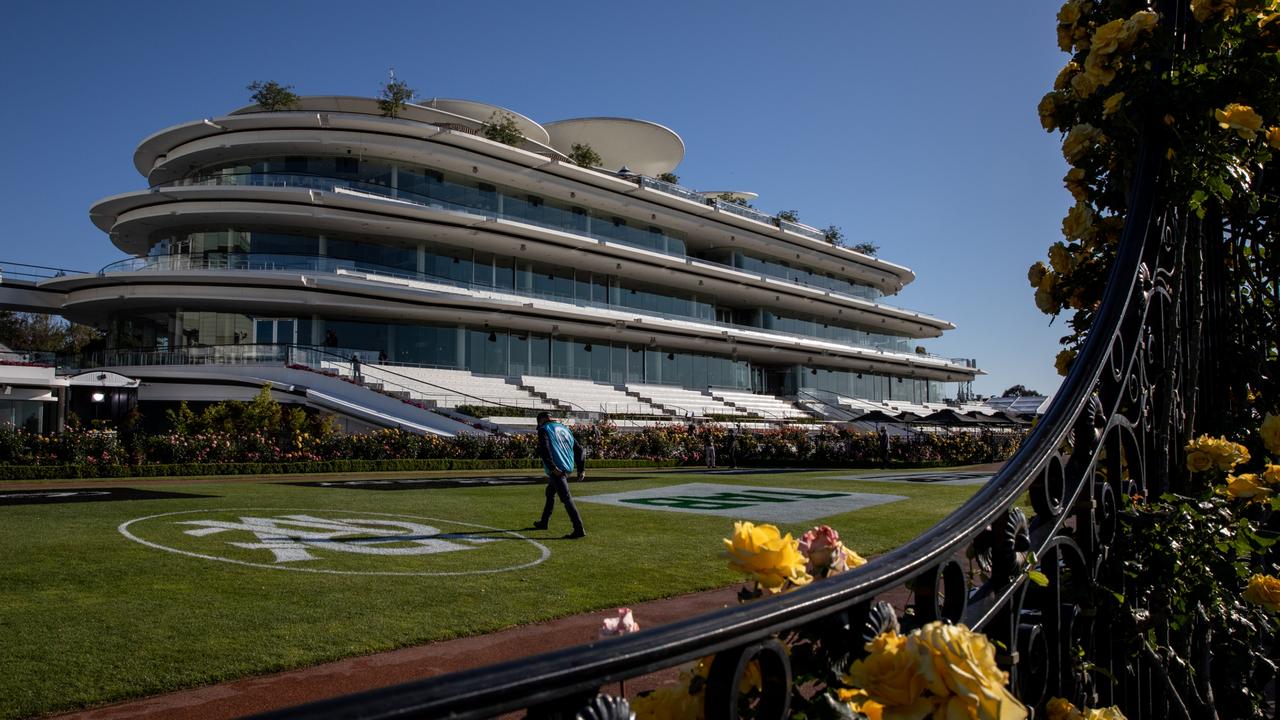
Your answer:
<point x="88" y="616"/>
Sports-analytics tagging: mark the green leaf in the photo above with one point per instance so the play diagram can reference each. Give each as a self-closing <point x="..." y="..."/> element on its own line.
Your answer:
<point x="1038" y="578"/>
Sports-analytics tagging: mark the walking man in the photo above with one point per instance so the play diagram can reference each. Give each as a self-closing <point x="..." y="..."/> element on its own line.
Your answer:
<point x="560" y="456"/>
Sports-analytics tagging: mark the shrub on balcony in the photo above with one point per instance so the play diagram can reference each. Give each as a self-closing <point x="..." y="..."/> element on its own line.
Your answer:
<point x="396" y="94"/>
<point x="502" y="128"/>
<point x="272" y="96"/>
<point x="583" y="155"/>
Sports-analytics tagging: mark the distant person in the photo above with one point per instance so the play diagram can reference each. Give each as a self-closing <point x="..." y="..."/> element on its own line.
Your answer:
<point x="733" y="447"/>
<point x="330" y="338"/>
<point x="884" y="447"/>
<point x="560" y="455"/>
<point x="709" y="448"/>
<point x="355" y="367"/>
<point x="382" y="356"/>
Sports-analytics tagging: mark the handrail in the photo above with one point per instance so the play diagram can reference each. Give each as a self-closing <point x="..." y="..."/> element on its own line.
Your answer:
<point x="1096" y="420"/>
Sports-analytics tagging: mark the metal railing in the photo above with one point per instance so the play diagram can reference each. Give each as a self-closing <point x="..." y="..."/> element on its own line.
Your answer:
<point x="26" y="272"/>
<point x="1112" y="431"/>
<point x="745" y="212"/>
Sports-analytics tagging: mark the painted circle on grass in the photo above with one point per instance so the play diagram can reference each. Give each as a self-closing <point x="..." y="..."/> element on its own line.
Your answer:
<point x="337" y="542"/>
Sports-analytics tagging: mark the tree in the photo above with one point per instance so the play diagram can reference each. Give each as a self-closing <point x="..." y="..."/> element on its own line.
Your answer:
<point x="669" y="177"/>
<point x="502" y="128"/>
<point x="866" y="248"/>
<point x="1020" y="391"/>
<point x="272" y="96"/>
<point x="583" y="155"/>
<point x="395" y="95"/>
<point x="36" y="332"/>
<point x="735" y="200"/>
<point x="790" y="216"/>
<point x="834" y="235"/>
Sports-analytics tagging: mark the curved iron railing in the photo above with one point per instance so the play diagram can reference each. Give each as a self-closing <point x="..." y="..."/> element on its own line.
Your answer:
<point x="1112" y="431"/>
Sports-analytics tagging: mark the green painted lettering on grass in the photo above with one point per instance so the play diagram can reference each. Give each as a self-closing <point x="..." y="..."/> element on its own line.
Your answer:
<point x="730" y="500"/>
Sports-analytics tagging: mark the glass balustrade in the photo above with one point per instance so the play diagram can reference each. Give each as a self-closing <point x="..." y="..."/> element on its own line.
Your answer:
<point x="699" y="313"/>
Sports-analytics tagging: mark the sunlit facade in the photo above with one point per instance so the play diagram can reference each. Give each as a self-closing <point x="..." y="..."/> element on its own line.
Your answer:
<point x="417" y="241"/>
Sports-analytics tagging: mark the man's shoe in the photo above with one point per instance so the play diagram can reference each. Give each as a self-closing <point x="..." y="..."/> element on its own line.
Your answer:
<point x="576" y="534"/>
<point x="539" y="525"/>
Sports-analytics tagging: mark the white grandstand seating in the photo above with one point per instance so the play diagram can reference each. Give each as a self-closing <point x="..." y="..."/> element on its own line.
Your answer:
<point x="588" y="396"/>
<point x="682" y="402"/>
<point x="766" y="406"/>
<point x="451" y="388"/>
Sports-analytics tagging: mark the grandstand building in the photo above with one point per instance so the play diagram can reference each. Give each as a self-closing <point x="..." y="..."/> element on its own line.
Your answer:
<point x="424" y="261"/>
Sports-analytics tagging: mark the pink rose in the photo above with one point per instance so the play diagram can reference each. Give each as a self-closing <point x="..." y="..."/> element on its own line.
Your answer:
<point x="821" y="548"/>
<point x="621" y="625"/>
<point x="825" y="554"/>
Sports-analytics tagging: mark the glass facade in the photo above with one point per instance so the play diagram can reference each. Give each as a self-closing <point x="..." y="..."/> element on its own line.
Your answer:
<point x="438" y="188"/>
<point x="243" y="249"/>
<point x="479" y="350"/>
<point x="871" y="386"/>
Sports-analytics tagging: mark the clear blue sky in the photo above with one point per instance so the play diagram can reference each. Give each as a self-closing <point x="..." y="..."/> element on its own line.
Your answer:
<point x="911" y="125"/>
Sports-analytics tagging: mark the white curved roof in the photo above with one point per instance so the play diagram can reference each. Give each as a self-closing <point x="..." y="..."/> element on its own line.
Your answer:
<point x="641" y="146"/>
<point x="482" y="112"/>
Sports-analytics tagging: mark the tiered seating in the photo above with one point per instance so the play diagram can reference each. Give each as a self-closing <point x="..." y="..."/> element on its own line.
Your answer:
<point x="682" y="402"/>
<point x="766" y="406"/>
<point x="451" y="388"/>
<point x="587" y="396"/>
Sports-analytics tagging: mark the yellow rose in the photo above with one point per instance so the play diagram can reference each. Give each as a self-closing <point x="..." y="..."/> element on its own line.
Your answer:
<point x="1063" y="81"/>
<point x="1045" y="301"/>
<point x="1083" y="85"/>
<point x="1080" y="140"/>
<point x="1098" y="69"/>
<point x="1075" y="182"/>
<point x="1271" y="475"/>
<point x="1107" y="38"/>
<point x="1060" y="258"/>
<point x="1047" y="109"/>
<point x="771" y="559"/>
<point x="1062" y="363"/>
<point x="1240" y="118"/>
<point x="1036" y="273"/>
<point x="890" y="677"/>
<point x="1061" y="709"/>
<point x="1270" y="432"/>
<point x="1264" y="590"/>
<point x="1112" y="104"/>
<point x="1140" y="22"/>
<point x="1077" y="225"/>
<point x="1199" y="461"/>
<point x="1246" y="487"/>
<point x="962" y="663"/>
<point x="1070" y="13"/>
<point x="1225" y="454"/>
<point x="1064" y="38"/>
<point x="859" y="702"/>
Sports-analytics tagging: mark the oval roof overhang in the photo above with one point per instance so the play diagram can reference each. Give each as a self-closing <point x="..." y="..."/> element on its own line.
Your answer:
<point x="641" y="146"/>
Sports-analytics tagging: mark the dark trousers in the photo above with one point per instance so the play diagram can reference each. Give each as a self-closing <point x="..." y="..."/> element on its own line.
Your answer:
<point x="558" y="484"/>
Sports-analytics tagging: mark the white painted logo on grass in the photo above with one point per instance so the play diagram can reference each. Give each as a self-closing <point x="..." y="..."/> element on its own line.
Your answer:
<point x="336" y="541"/>
<point x="743" y="502"/>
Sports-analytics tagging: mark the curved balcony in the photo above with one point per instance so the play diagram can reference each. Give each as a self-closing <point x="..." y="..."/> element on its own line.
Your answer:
<point x="274" y="262"/>
<point x="476" y="202"/>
